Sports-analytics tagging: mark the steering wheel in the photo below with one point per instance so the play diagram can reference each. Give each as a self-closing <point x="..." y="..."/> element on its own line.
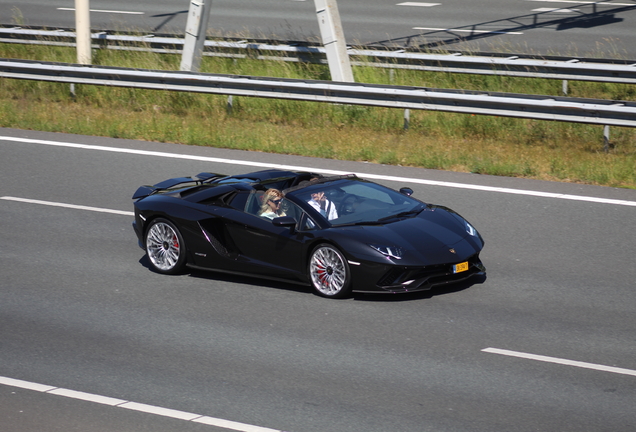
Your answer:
<point x="346" y="205"/>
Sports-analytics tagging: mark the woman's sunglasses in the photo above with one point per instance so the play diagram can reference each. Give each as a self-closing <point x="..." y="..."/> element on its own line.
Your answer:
<point x="276" y="201"/>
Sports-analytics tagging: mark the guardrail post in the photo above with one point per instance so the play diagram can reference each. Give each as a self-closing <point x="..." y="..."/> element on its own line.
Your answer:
<point x="333" y="40"/>
<point x="196" y="28"/>
<point x="606" y="139"/>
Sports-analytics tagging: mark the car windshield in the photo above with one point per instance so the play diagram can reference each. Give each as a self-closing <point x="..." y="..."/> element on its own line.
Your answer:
<point x="358" y="202"/>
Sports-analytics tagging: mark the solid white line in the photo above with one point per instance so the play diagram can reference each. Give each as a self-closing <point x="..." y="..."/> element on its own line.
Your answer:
<point x="104" y="11"/>
<point x="119" y="403"/>
<point x="466" y="31"/>
<point x="25" y="384"/>
<point x="164" y="412"/>
<point x="88" y="397"/>
<point x="227" y="424"/>
<point x="561" y="361"/>
<point x="71" y="206"/>
<point x="327" y="171"/>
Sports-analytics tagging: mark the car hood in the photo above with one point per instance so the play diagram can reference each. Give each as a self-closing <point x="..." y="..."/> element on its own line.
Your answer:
<point x="436" y="236"/>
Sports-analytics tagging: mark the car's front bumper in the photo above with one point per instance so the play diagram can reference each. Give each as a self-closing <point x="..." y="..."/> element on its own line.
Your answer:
<point x="374" y="278"/>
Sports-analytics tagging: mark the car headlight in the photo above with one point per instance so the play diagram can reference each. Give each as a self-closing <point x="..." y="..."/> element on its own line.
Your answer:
<point x="388" y="251"/>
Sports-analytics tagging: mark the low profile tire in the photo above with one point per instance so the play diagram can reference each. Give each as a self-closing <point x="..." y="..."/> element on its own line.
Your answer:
<point x="329" y="272"/>
<point x="165" y="247"/>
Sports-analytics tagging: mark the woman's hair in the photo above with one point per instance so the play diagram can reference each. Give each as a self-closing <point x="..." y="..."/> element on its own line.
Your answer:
<point x="268" y="195"/>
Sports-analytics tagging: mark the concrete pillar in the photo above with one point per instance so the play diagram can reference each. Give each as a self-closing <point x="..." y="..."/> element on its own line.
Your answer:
<point x="196" y="28"/>
<point x="83" y="31"/>
<point x="333" y="40"/>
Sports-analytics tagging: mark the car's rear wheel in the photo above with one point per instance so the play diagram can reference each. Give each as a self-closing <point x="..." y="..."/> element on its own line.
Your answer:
<point x="165" y="247"/>
<point x="329" y="272"/>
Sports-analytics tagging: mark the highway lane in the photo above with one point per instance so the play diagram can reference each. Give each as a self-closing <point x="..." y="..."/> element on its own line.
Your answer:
<point x="557" y="27"/>
<point x="80" y="310"/>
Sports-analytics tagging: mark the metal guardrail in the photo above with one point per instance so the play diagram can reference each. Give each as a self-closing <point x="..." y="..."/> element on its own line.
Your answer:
<point x="577" y="69"/>
<point x="590" y="111"/>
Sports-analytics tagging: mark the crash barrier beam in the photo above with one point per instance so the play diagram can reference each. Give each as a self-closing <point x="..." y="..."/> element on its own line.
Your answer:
<point x="567" y="109"/>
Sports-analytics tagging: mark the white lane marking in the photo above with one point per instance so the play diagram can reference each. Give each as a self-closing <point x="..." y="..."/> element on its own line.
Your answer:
<point x="418" y="4"/>
<point x="555" y="10"/>
<point x="585" y="2"/>
<point x="466" y="30"/>
<point x="25" y="384"/>
<point x="104" y="11"/>
<point x="120" y="403"/>
<point x="88" y="397"/>
<point x="164" y="412"/>
<point x="71" y="206"/>
<point x="327" y="171"/>
<point x="561" y="361"/>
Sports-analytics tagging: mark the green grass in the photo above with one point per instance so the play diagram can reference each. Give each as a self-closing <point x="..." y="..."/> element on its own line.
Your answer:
<point x="457" y="142"/>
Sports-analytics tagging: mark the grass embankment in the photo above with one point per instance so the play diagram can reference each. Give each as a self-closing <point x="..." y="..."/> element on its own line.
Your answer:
<point x="456" y="142"/>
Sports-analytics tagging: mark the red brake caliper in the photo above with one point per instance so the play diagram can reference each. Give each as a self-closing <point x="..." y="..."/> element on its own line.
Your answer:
<point x="322" y="275"/>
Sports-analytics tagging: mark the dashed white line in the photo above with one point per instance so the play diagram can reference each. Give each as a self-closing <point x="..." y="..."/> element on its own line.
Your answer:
<point x="466" y="30"/>
<point x="560" y="361"/>
<point x="120" y="403"/>
<point x="71" y="206"/>
<point x="328" y="171"/>
<point x="555" y="10"/>
<point x="418" y="4"/>
<point x="585" y="2"/>
<point x="104" y="11"/>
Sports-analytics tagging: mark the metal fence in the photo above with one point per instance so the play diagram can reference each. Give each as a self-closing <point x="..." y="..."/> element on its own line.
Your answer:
<point x="562" y="68"/>
<point x="590" y="111"/>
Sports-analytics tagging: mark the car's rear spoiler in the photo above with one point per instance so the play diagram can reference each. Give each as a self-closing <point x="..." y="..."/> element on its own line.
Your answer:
<point x="144" y="191"/>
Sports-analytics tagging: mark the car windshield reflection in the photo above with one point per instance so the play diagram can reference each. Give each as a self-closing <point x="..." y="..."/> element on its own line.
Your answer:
<point x="358" y="202"/>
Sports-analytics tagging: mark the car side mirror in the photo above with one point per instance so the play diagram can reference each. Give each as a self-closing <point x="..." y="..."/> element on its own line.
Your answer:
<point x="285" y="221"/>
<point x="406" y="191"/>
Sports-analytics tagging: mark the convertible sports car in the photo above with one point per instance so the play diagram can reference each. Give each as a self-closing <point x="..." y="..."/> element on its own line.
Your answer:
<point x="338" y="234"/>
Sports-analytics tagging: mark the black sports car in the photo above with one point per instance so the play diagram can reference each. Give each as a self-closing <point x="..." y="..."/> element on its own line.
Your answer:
<point x="338" y="234"/>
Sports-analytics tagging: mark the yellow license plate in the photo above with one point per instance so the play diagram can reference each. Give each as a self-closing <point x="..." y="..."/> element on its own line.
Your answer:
<point x="461" y="267"/>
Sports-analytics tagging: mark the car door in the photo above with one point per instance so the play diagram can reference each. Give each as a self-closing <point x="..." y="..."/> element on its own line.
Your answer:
<point x="268" y="249"/>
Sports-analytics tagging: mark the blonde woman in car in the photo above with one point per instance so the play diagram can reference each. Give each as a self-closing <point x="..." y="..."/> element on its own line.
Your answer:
<point x="271" y="207"/>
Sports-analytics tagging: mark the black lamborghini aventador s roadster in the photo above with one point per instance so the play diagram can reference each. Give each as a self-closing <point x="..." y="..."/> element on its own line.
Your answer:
<point x="338" y="234"/>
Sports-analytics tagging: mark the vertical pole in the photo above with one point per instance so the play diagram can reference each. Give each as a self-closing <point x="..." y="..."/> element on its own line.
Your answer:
<point x="83" y="31"/>
<point x="196" y="28"/>
<point x="606" y="138"/>
<point x="333" y="40"/>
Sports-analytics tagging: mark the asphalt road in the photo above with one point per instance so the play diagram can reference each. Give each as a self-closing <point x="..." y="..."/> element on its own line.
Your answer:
<point x="542" y="27"/>
<point x="80" y="310"/>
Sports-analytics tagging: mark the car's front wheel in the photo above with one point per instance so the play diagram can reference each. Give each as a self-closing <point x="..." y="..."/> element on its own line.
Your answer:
<point x="165" y="247"/>
<point x="329" y="272"/>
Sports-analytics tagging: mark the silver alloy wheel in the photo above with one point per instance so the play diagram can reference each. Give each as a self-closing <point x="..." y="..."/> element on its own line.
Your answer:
<point x="163" y="246"/>
<point x="329" y="271"/>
